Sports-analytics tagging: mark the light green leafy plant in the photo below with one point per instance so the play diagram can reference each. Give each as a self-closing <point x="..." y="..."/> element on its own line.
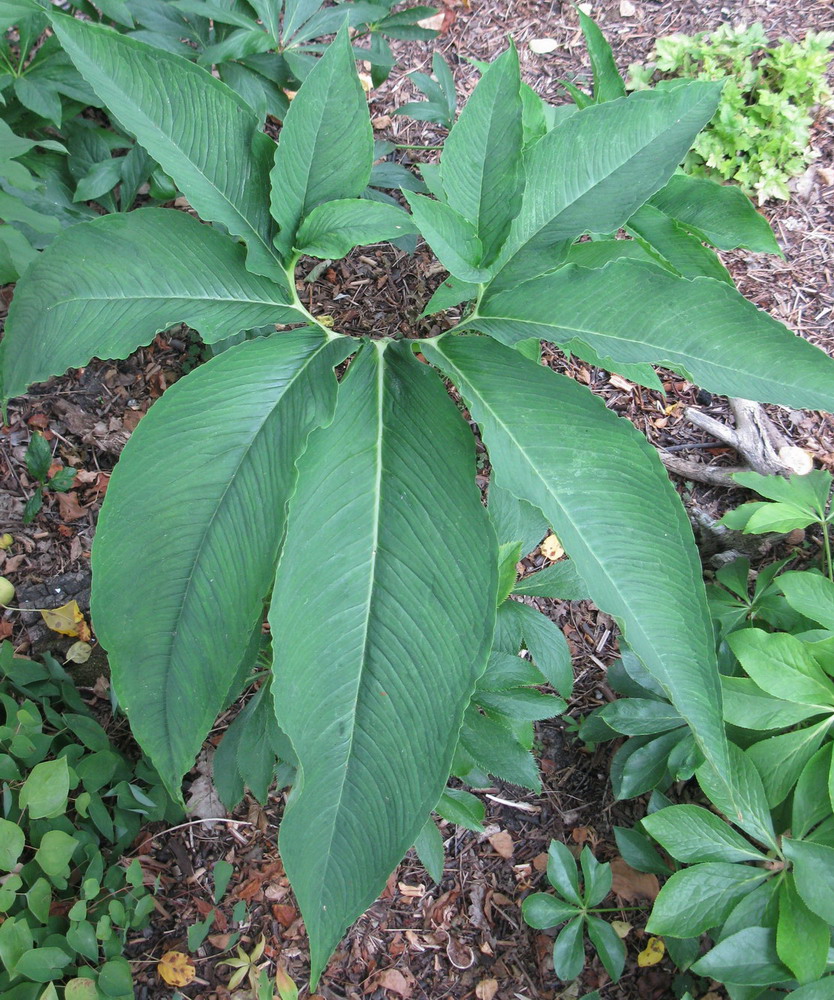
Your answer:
<point x="72" y="803"/>
<point x="760" y="134"/>
<point x="577" y="909"/>
<point x="352" y="501"/>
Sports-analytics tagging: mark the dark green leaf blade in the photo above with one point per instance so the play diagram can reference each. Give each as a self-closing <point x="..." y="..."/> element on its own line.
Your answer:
<point x="631" y="313"/>
<point x="326" y="147"/>
<point x="613" y="508"/>
<point x="175" y="634"/>
<point x="200" y="131"/>
<point x="608" y="84"/>
<point x="379" y="652"/>
<point x="73" y="304"/>
<point x="333" y="229"/>
<point x="630" y="149"/>
<point x="481" y="162"/>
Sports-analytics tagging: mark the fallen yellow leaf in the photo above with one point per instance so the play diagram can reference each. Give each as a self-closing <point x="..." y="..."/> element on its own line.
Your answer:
<point x="79" y="652"/>
<point x="552" y="548"/>
<point x="175" y="969"/>
<point x="652" y="953"/>
<point x="621" y="928"/>
<point x="66" y="620"/>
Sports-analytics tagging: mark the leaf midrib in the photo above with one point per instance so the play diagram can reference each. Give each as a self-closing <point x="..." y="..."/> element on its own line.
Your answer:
<point x="207" y="530"/>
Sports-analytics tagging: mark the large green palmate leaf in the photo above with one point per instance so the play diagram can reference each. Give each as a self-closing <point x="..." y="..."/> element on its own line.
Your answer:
<point x="630" y="312"/>
<point x="382" y="619"/>
<point x="596" y="169"/>
<point x="204" y="135"/>
<point x="73" y="303"/>
<point x="481" y="162"/>
<point x="326" y="147"/>
<point x="608" y="498"/>
<point x="186" y="549"/>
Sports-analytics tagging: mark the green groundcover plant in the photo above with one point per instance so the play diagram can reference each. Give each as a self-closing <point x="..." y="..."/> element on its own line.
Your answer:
<point x="72" y="803"/>
<point x="757" y="882"/>
<point x="349" y="503"/>
<point x="760" y="135"/>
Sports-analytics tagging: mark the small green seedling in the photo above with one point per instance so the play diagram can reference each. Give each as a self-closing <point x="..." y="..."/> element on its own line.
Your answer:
<point x="38" y="463"/>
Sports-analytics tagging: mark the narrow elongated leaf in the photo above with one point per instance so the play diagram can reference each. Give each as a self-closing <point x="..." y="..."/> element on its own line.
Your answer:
<point x="608" y="498"/>
<point x="219" y="521"/>
<point x="630" y="148"/>
<point x="747" y="805"/>
<point x="336" y="227"/>
<point x="203" y="135"/>
<point x="452" y="237"/>
<point x="327" y="146"/>
<point x="780" y="759"/>
<point x="546" y="643"/>
<point x="73" y="304"/>
<point x="719" y="214"/>
<point x="481" y="162"/>
<point x="679" y="248"/>
<point x="608" y="84"/>
<point x="377" y="651"/>
<point x="560" y="581"/>
<point x="690" y="834"/>
<point x="630" y="312"/>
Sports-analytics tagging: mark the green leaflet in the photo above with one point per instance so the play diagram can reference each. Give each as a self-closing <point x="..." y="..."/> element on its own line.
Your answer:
<point x="174" y="638"/>
<point x="333" y="229"/>
<point x="630" y="148"/>
<point x="692" y="834"/>
<point x="677" y="247"/>
<point x="74" y="304"/>
<point x="326" y="146"/>
<point x="631" y="313"/>
<point x="481" y="165"/>
<point x="608" y="84"/>
<point x="200" y="131"/>
<point x="452" y="237"/>
<point x="719" y="214"/>
<point x="379" y="645"/>
<point x="609" y="500"/>
<point x="695" y="899"/>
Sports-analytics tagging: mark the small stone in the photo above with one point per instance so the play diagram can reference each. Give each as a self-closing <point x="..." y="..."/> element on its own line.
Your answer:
<point x="627" y="9"/>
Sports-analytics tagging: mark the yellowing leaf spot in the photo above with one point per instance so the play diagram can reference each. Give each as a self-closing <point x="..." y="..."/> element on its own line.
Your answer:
<point x="175" y="969"/>
<point x="552" y="548"/>
<point x="66" y="620"/>
<point x="652" y="953"/>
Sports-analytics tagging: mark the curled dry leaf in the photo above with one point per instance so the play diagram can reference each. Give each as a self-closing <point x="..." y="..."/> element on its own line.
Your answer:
<point x="552" y="548"/>
<point x="175" y="969"/>
<point x="395" y="981"/>
<point x="459" y="954"/>
<point x="652" y="953"/>
<point x="632" y="885"/>
<point x="486" y="989"/>
<point x="502" y="844"/>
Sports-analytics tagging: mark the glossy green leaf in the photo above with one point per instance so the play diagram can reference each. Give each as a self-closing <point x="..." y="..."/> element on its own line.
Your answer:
<point x="811" y="804"/>
<point x="75" y="305"/>
<point x="811" y="594"/>
<point x="638" y="851"/>
<point x="780" y="759"/>
<point x="631" y="313"/>
<point x="561" y="872"/>
<point x="541" y="910"/>
<point x="461" y="808"/>
<point x="813" y="871"/>
<point x="596" y="878"/>
<point x="569" y="950"/>
<point x="481" y="162"/>
<point x="746" y="806"/>
<point x="546" y="643"/>
<point x="200" y="132"/>
<point x="630" y="149"/>
<point x="610" y="948"/>
<point x="387" y="513"/>
<point x="747" y="706"/>
<point x="686" y="254"/>
<point x="692" y="834"/>
<point x="333" y="229"/>
<point x="695" y="899"/>
<point x="612" y="506"/>
<point x="640" y="716"/>
<point x="783" y="667"/>
<point x="802" y="938"/>
<point x="326" y="145"/>
<point x="748" y="957"/>
<point x="719" y="214"/>
<point x="219" y="520"/>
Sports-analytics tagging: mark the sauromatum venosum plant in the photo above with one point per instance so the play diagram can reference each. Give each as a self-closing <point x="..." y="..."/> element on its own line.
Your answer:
<point x="352" y="502"/>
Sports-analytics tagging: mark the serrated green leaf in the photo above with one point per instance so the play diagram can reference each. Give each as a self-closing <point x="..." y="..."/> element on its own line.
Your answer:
<point x="698" y="898"/>
<point x="201" y="133"/>
<point x="813" y="871"/>
<point x="802" y="938"/>
<point x="390" y="483"/>
<point x="614" y="525"/>
<point x="783" y="667"/>
<point x="333" y="229"/>
<point x="633" y="313"/>
<point x="220" y="521"/>
<point x="692" y="834"/>
<point x="326" y="145"/>
<point x="780" y="759"/>
<point x="631" y="147"/>
<point x="481" y="161"/>
<point x="746" y="806"/>
<point x="74" y="305"/>
<point x="494" y="748"/>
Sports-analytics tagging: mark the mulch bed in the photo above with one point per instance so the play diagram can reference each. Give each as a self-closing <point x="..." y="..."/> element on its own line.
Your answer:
<point x="464" y="938"/>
